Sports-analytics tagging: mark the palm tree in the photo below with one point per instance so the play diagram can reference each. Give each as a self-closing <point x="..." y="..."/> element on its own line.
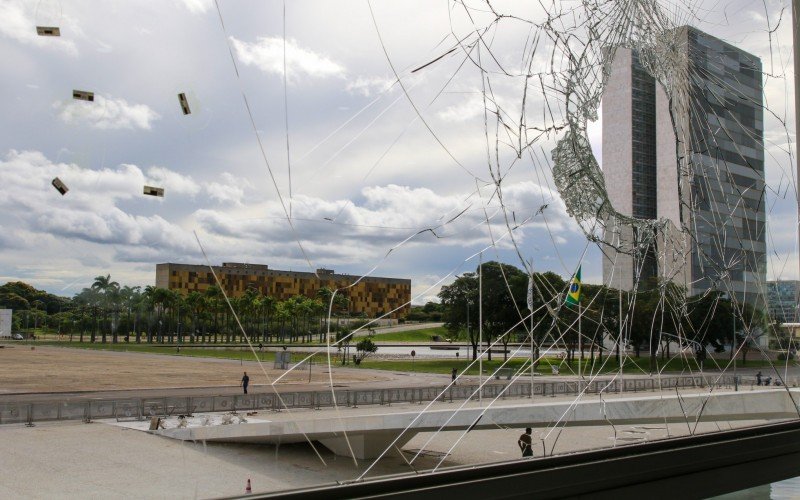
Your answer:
<point x="250" y="305"/>
<point x="214" y="298"/>
<point x="148" y="301"/>
<point x="107" y="291"/>
<point x="195" y="302"/>
<point x="130" y="296"/>
<point x="161" y="300"/>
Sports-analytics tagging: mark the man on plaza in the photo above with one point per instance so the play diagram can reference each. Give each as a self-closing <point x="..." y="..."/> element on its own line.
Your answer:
<point x="525" y="443"/>
<point x="245" y="382"/>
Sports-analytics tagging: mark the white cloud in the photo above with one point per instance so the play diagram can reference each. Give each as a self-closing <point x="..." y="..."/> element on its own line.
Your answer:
<point x="89" y="212"/>
<point x="197" y="6"/>
<point x="172" y="182"/>
<point x="465" y="110"/>
<point x="107" y="113"/>
<point x="267" y="55"/>
<point x="19" y="23"/>
<point x="368" y="86"/>
<point x="386" y="215"/>
<point x="230" y="191"/>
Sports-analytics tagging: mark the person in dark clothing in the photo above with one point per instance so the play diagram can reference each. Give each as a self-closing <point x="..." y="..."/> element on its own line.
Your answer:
<point x="768" y="381"/>
<point x="525" y="443"/>
<point x="454" y="374"/>
<point x="758" y="378"/>
<point x="245" y="382"/>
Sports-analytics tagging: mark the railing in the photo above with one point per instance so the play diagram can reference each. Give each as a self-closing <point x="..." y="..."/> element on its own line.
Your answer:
<point x="138" y="408"/>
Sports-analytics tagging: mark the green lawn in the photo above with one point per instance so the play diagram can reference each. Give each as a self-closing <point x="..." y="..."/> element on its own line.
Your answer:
<point x="412" y="336"/>
<point x="632" y="366"/>
<point x="440" y="365"/>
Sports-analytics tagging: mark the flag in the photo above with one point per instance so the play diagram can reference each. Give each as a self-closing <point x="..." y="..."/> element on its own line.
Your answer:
<point x="530" y="293"/>
<point x="574" y="293"/>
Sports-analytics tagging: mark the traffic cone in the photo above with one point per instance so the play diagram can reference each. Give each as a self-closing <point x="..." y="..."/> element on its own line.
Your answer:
<point x="248" y="489"/>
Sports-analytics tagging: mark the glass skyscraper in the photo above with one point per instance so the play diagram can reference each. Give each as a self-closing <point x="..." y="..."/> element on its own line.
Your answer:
<point x="707" y="179"/>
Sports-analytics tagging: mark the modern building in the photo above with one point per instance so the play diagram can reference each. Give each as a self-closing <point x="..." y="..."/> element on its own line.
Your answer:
<point x="782" y="301"/>
<point x="371" y="296"/>
<point x="708" y="179"/>
<point x="5" y="322"/>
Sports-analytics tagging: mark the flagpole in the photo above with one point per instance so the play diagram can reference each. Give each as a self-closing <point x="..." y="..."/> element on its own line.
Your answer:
<point x="620" y="353"/>
<point x="480" y="328"/>
<point x="580" y="340"/>
<point x="530" y="308"/>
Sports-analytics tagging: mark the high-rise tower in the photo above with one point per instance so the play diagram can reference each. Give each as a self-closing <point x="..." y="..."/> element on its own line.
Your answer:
<point x="708" y="179"/>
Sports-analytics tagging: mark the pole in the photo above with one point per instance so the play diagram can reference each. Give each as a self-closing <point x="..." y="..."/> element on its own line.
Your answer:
<point x="796" y="50"/>
<point x="480" y="328"/>
<point x="532" y="356"/>
<point x="619" y="340"/>
<point x="733" y="318"/>
<point x="530" y="308"/>
<point x="580" y="341"/>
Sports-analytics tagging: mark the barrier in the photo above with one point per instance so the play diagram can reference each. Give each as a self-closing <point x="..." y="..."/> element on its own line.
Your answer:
<point x="140" y="408"/>
<point x="128" y="411"/>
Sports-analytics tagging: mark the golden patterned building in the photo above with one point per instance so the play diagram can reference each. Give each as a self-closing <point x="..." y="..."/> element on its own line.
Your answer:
<point x="372" y="296"/>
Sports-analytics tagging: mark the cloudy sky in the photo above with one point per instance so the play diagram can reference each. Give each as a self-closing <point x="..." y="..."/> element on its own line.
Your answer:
<point x="364" y="174"/>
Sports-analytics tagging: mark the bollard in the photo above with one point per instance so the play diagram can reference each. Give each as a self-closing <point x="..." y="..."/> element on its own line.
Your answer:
<point x="30" y="416"/>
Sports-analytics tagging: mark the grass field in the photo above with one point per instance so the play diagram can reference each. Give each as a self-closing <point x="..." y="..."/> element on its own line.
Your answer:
<point x="424" y="335"/>
<point x="443" y="366"/>
<point x="610" y="366"/>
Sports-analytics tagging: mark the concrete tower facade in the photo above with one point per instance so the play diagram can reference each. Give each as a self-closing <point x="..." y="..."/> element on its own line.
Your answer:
<point x="708" y="180"/>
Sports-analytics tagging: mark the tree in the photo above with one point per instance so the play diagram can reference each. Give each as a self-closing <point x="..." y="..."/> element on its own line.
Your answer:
<point x="460" y="301"/>
<point x="751" y="324"/>
<point x="343" y="338"/>
<point x="108" y="296"/>
<point x="267" y="306"/>
<point x="196" y="303"/>
<point x="504" y="290"/>
<point x="215" y="299"/>
<point x="364" y="348"/>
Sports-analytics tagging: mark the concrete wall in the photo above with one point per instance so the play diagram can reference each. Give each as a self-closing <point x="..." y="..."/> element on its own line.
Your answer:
<point x="5" y="322"/>
<point x="617" y="106"/>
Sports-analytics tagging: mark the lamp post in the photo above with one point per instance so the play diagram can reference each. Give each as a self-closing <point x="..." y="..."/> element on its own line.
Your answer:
<point x="729" y="296"/>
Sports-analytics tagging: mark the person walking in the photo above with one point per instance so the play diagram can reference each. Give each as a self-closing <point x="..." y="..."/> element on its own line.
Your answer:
<point x="525" y="443"/>
<point x="245" y="382"/>
<point x="758" y="378"/>
<point x="454" y="374"/>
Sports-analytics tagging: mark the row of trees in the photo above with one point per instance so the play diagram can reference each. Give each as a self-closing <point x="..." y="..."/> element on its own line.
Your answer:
<point x="107" y="311"/>
<point x="649" y="320"/>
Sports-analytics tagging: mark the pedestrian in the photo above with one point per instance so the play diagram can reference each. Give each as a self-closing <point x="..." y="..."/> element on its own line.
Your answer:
<point x="454" y="374"/>
<point x="768" y="381"/>
<point x="758" y="378"/>
<point x="260" y="347"/>
<point x="245" y="382"/>
<point x="525" y="443"/>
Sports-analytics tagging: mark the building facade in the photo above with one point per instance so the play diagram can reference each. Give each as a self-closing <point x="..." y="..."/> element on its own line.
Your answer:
<point x="5" y="322"/>
<point x="707" y="179"/>
<point x="370" y="296"/>
<point x="782" y="301"/>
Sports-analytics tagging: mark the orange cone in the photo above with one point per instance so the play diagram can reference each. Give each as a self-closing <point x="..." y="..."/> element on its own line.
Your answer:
<point x="248" y="489"/>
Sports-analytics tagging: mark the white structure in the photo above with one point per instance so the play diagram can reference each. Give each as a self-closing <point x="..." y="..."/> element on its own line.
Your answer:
<point x="5" y="322"/>
<point x="370" y="434"/>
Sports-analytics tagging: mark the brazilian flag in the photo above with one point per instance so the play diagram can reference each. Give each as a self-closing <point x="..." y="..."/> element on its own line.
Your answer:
<point x="574" y="293"/>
